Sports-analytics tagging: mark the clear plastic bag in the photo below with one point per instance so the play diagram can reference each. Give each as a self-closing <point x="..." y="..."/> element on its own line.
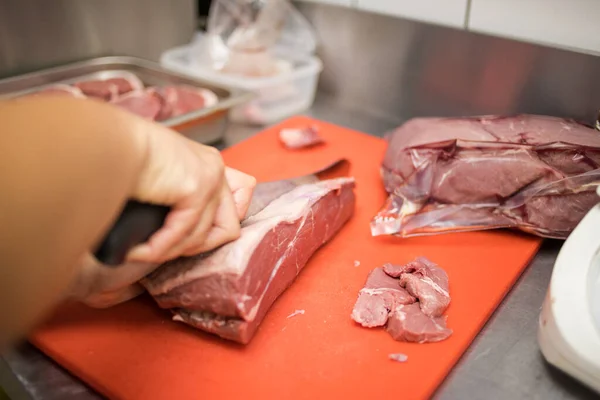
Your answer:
<point x="257" y="38"/>
<point x="534" y="173"/>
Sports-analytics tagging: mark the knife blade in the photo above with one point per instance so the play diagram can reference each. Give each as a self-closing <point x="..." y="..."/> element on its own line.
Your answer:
<point x="138" y="221"/>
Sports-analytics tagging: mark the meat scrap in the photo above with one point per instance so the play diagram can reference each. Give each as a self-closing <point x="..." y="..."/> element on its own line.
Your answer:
<point x="228" y="291"/>
<point x="409" y="323"/>
<point x="297" y="138"/>
<point x="381" y="295"/>
<point x="297" y="312"/>
<point x="425" y="281"/>
<point x="399" y="357"/>
<point x="534" y="173"/>
<point x="409" y="300"/>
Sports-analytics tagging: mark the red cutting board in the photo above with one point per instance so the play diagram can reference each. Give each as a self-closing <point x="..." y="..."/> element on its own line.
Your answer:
<point x="134" y="351"/>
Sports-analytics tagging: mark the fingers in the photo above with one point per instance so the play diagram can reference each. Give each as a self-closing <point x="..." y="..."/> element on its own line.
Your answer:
<point x="225" y="227"/>
<point x="208" y="200"/>
<point x="192" y="214"/>
<point x="109" y="299"/>
<point x="242" y="186"/>
<point x="200" y="228"/>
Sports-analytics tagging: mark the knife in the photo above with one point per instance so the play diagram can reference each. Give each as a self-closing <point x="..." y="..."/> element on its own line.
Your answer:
<point x="138" y="221"/>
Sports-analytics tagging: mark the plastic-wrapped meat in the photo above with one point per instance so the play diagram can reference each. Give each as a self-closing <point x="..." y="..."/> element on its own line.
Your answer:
<point x="182" y="99"/>
<point x="144" y="103"/>
<point x="228" y="291"/>
<point x="297" y="138"/>
<point x="528" y="172"/>
<point x="413" y="314"/>
<point x="109" y="89"/>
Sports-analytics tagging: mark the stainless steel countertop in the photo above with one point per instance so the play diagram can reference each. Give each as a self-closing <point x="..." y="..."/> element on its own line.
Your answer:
<point x="503" y="362"/>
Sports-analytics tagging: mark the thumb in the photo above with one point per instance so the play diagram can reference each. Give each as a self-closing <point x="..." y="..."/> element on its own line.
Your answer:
<point x="242" y="187"/>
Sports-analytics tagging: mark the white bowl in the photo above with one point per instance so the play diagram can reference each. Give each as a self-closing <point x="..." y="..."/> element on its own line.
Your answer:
<point x="569" y="325"/>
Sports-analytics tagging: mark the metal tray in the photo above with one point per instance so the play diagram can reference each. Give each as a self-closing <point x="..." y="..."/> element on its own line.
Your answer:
<point x="206" y="125"/>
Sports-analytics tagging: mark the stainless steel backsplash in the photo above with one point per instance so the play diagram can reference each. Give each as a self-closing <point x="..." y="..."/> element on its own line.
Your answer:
<point x="397" y="69"/>
<point x="39" y="33"/>
<point x="383" y="66"/>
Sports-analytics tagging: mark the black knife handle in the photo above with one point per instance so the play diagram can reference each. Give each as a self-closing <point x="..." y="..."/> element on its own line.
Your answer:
<point x="137" y="222"/>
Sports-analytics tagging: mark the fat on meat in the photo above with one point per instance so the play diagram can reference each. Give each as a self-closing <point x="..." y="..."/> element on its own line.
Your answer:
<point x="228" y="291"/>
<point x="62" y="89"/>
<point x="417" y="314"/>
<point x="528" y="172"/>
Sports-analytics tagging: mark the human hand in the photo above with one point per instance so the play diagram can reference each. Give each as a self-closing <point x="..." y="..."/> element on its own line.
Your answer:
<point x="207" y="202"/>
<point x="207" y="199"/>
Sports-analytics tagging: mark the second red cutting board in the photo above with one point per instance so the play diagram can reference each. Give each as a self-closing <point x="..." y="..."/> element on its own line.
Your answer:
<point x="134" y="351"/>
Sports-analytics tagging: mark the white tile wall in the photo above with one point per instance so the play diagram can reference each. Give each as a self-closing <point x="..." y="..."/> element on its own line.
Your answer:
<point x="564" y="23"/>
<point x="561" y="23"/>
<point x="443" y="12"/>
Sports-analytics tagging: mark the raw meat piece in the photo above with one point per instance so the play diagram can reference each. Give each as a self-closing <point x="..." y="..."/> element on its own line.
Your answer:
<point x="109" y="89"/>
<point x="409" y="324"/>
<point x="297" y="138"/>
<point x="126" y="85"/>
<point x="399" y="357"/>
<point x="461" y="174"/>
<point x="182" y="99"/>
<point x="144" y="103"/>
<point x="62" y="89"/>
<point x="99" y="89"/>
<point x="425" y="281"/>
<point x="407" y="318"/>
<point x="378" y="298"/>
<point x="228" y="291"/>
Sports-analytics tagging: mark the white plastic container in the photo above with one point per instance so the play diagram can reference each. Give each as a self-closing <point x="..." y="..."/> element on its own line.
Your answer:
<point x="569" y="326"/>
<point x="278" y="97"/>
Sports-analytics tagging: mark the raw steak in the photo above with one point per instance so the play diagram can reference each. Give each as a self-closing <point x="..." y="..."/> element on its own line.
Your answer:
<point x="129" y="93"/>
<point x="414" y="314"/>
<point x="228" y="291"/>
<point x="534" y="173"/>
<point x="297" y="138"/>
<point x="109" y="89"/>
<point x="182" y="99"/>
<point x="144" y="103"/>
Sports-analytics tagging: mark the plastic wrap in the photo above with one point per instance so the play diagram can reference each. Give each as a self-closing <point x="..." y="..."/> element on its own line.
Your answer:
<point x="534" y="173"/>
<point x="256" y="38"/>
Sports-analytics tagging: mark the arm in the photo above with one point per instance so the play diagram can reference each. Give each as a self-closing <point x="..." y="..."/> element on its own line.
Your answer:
<point x="64" y="175"/>
<point x="68" y="167"/>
